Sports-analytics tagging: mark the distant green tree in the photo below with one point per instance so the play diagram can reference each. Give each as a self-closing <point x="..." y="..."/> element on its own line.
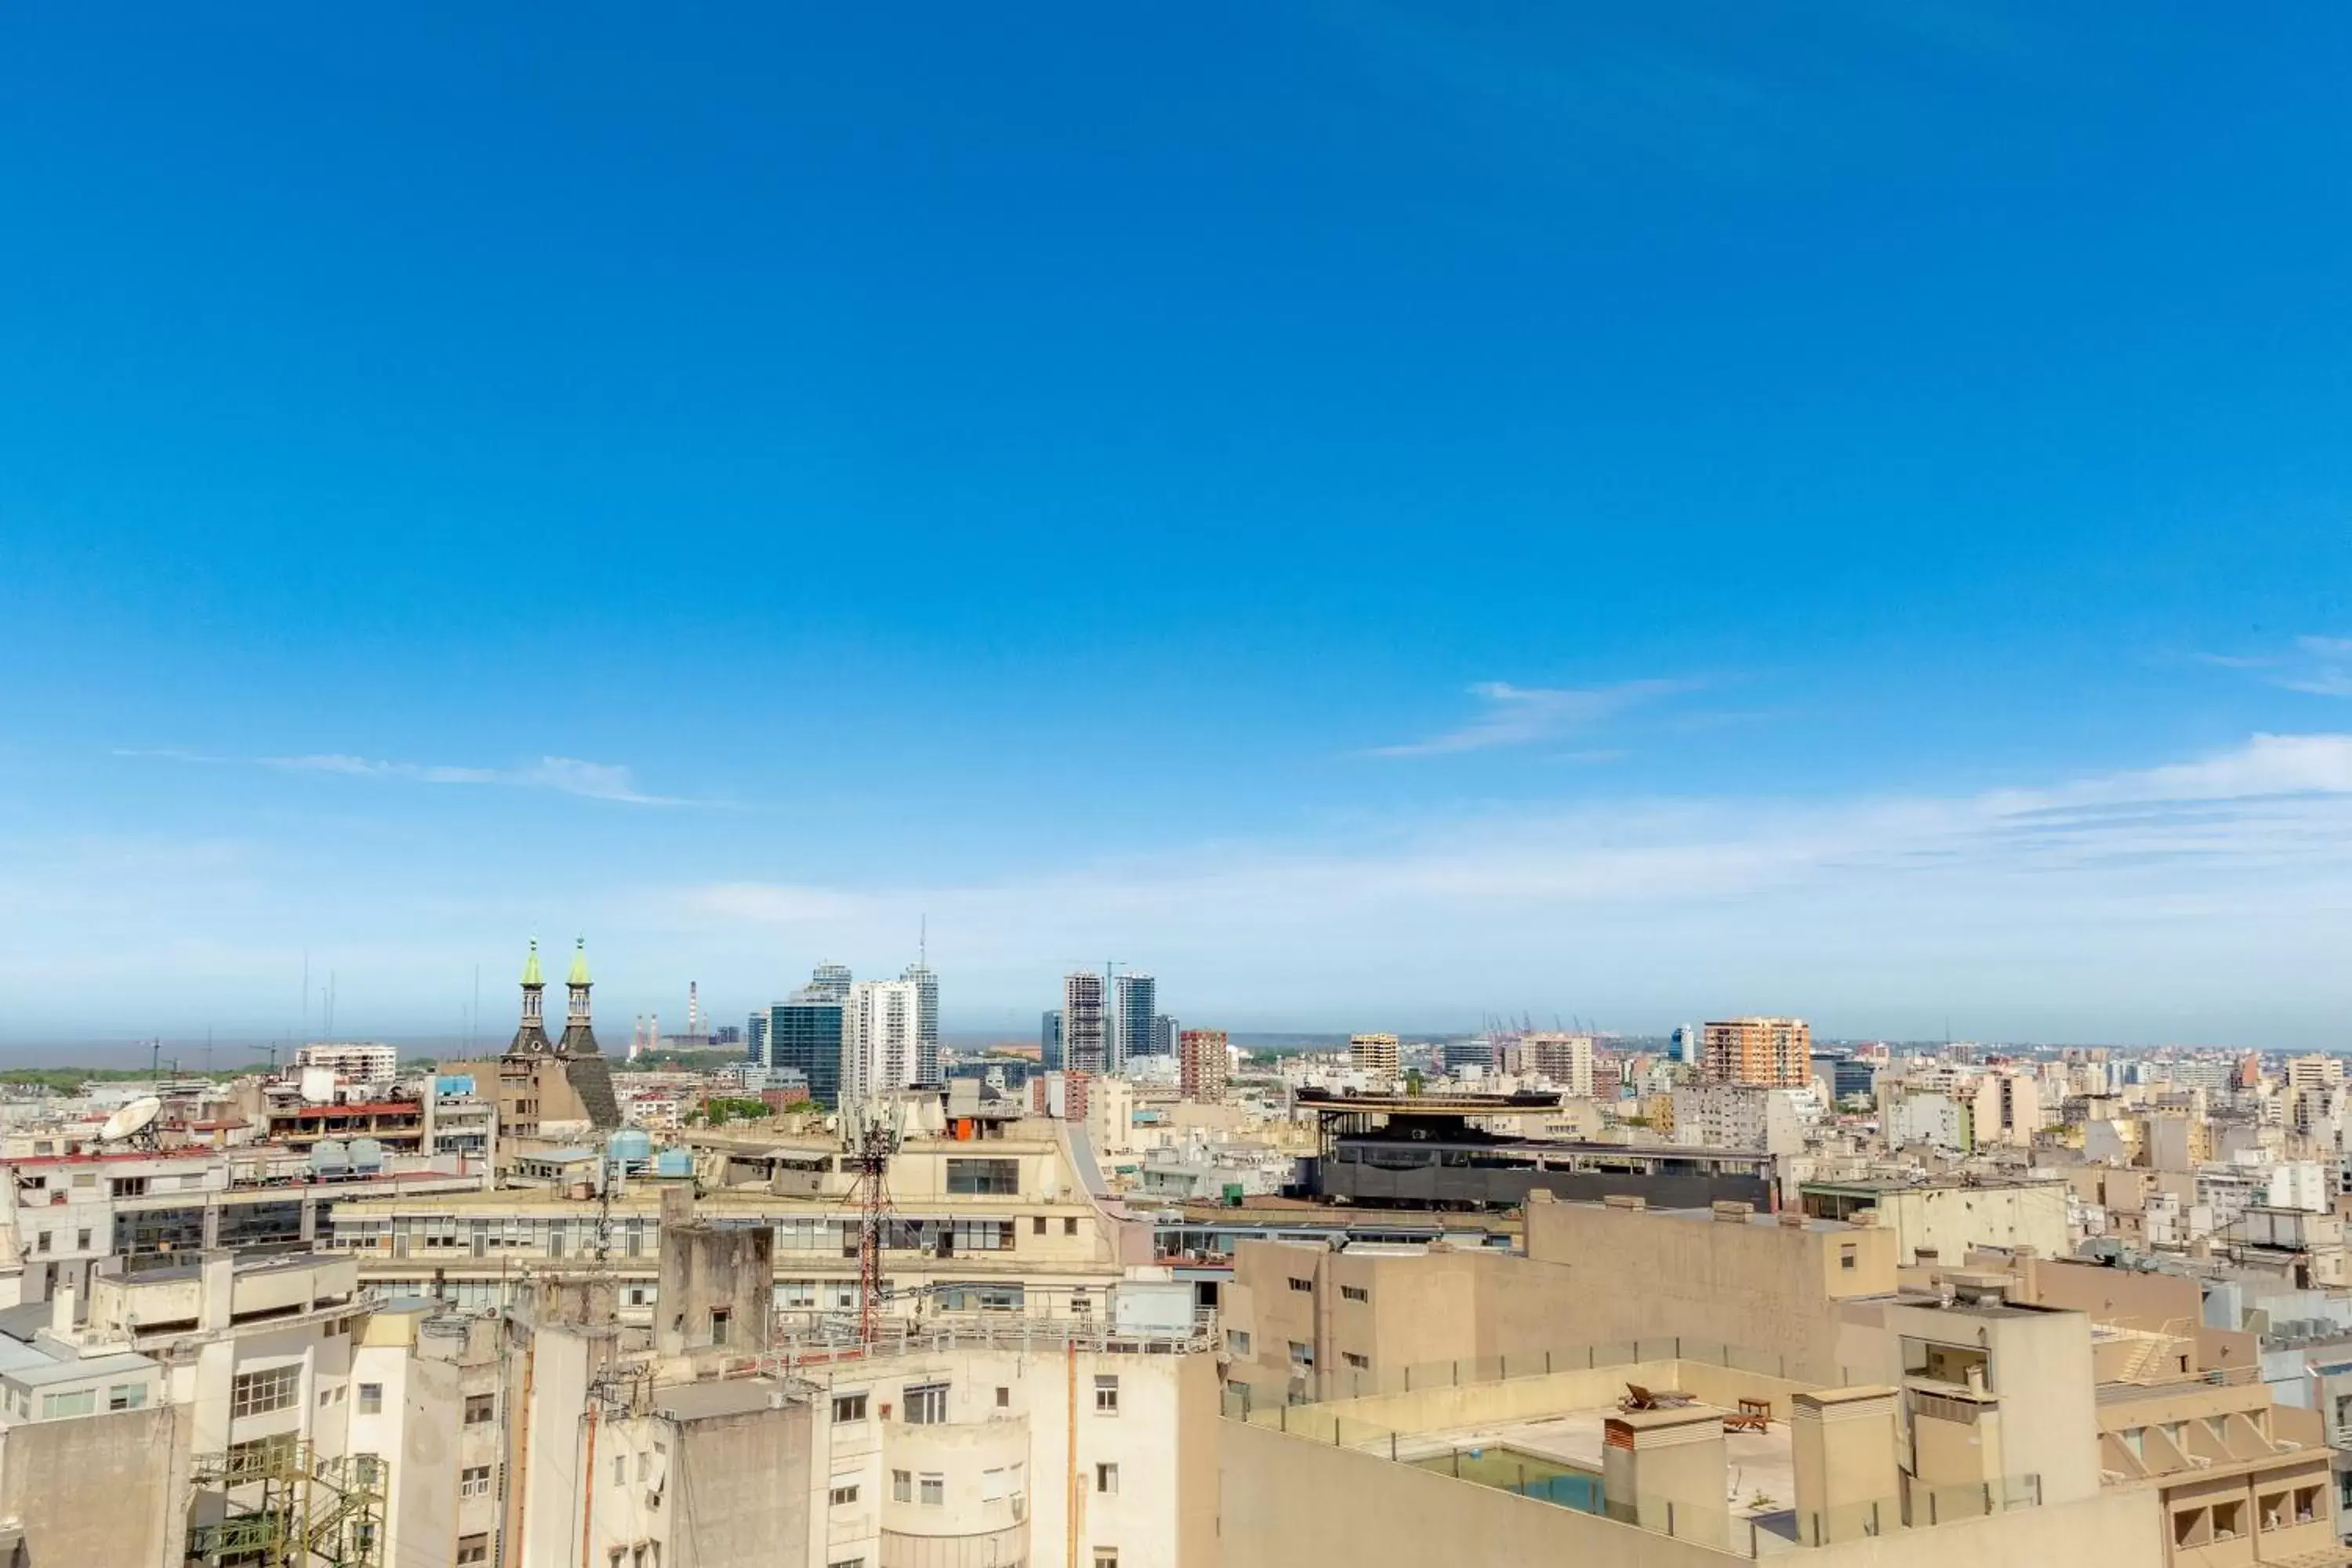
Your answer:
<point x="1413" y="1080"/>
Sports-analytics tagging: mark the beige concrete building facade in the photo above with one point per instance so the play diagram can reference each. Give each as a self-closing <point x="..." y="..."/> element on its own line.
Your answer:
<point x="1770" y="1284"/>
<point x="1302" y="1320"/>
<point x="1939" y="1223"/>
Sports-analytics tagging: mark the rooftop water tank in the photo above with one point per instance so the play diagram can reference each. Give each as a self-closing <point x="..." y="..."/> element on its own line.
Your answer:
<point x="631" y="1146"/>
<point x="674" y="1163"/>
<point x="367" y="1154"/>
<point x="330" y="1157"/>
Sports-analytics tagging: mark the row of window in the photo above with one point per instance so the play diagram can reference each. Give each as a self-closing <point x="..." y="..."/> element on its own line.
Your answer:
<point x="628" y="1237"/>
<point x="78" y="1401"/>
<point x="927" y="1403"/>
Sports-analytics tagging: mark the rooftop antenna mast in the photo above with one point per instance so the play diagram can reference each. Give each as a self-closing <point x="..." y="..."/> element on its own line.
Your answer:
<point x="872" y="1136"/>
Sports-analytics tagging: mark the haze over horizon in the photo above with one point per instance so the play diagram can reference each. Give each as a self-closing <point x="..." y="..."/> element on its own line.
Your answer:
<point x="1373" y="514"/>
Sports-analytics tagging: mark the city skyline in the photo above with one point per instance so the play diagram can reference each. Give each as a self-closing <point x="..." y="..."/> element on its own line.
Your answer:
<point x="1608" y="513"/>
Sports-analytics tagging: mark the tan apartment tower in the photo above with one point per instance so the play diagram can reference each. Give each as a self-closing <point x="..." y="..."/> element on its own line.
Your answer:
<point x="1200" y="1060"/>
<point x="1375" y="1056"/>
<point x="1777" y="1053"/>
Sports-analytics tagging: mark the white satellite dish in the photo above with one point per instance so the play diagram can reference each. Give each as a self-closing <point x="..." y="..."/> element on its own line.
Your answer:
<point x="133" y="1118"/>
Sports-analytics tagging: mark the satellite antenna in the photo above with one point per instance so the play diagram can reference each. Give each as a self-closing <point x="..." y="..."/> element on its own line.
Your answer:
<point x="131" y="1120"/>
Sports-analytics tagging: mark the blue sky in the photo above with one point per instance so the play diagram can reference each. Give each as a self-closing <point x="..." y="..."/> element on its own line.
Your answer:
<point x="1378" y="514"/>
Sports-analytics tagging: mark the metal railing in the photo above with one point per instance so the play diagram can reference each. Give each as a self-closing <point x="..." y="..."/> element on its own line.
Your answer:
<point x="1353" y="1383"/>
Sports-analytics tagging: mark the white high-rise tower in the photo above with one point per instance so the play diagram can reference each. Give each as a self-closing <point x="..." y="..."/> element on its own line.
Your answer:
<point x="880" y="1036"/>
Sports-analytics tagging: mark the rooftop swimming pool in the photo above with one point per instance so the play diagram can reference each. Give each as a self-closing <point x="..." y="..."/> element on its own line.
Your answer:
<point x="1516" y="1470"/>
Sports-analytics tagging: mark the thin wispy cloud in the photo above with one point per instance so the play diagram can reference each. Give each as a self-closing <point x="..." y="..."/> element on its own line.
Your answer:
<point x="2116" y="904"/>
<point x="564" y="775"/>
<point x="2317" y="666"/>
<point x="2240" y="835"/>
<point x="1524" y="715"/>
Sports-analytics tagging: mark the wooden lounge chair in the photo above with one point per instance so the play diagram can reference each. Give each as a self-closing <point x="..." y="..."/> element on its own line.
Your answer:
<point x="1640" y="1399"/>
<point x="1755" y="1416"/>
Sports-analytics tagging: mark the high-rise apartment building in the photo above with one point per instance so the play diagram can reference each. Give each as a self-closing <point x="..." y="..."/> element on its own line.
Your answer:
<point x="1687" y="1048"/>
<point x="1049" y="1041"/>
<point x="1777" y="1053"/>
<point x="879" y="1044"/>
<point x="1084" y="1046"/>
<point x="926" y="982"/>
<point x="2314" y="1072"/>
<point x="1201" y="1057"/>
<point x="755" y="1037"/>
<point x="355" y="1063"/>
<point x="1375" y="1056"/>
<point x="1164" y="1035"/>
<point x="1135" y="1001"/>
<point x="831" y="981"/>
<point x="805" y="1033"/>
<point x="1565" y="1059"/>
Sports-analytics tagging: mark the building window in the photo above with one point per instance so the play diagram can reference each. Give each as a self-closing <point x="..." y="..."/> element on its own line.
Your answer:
<point x="42" y="1243"/>
<point x="846" y="1562"/>
<point x="81" y="1241"/>
<point x="931" y="1487"/>
<point x="367" y="1469"/>
<point x="1106" y="1477"/>
<point x="1106" y="1396"/>
<point x="472" y="1548"/>
<point x="1301" y="1355"/>
<point x="370" y="1399"/>
<point x="1238" y="1341"/>
<point x="1105" y="1557"/>
<point x="902" y="1485"/>
<point x="849" y="1407"/>
<point x="1037" y="1225"/>
<point x="1003" y="1397"/>
<point x="481" y="1408"/>
<point x="986" y="1178"/>
<point x="258" y="1393"/>
<point x="474" y="1480"/>
<point x="1845" y="1257"/>
<point x="1360" y="1362"/>
<point x="1070" y="1225"/>
<point x="127" y="1396"/>
<point x="83" y="1402"/>
<point x="844" y="1495"/>
<point x="927" y="1404"/>
<point x="718" y="1321"/>
<point x="1298" y="1284"/>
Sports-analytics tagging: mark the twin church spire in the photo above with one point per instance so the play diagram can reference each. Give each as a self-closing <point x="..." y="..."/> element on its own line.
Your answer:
<point x="579" y="1032"/>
